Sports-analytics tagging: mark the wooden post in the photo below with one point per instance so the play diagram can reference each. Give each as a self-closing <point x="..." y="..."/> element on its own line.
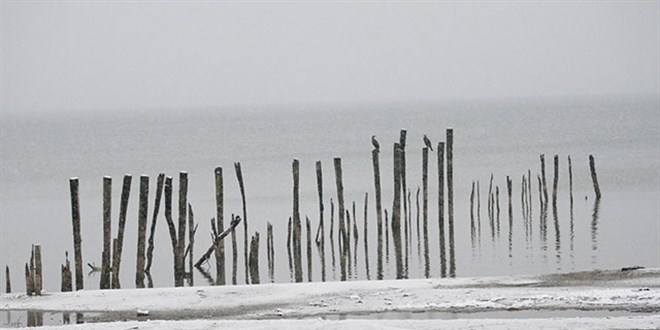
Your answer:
<point x="67" y="285"/>
<point x="538" y="178"/>
<point x="142" y="229"/>
<point x="118" y="244"/>
<point x="417" y="215"/>
<point x="594" y="178"/>
<point x="288" y="247"/>
<point x="332" y="245"/>
<point x="239" y="177"/>
<point x="570" y="181"/>
<point x="29" y="281"/>
<point x="192" y="228"/>
<point x="152" y="230"/>
<point x="170" y="224"/>
<point x="441" y="207"/>
<point x="105" y="260"/>
<point x="555" y="182"/>
<point x="545" y="185"/>
<point x="38" y="273"/>
<point x="425" y="204"/>
<point x="181" y="233"/>
<point x="271" y="252"/>
<point x="234" y="256"/>
<point x="529" y="192"/>
<point x="497" y="203"/>
<point x="472" y="226"/>
<point x="379" y="209"/>
<point x="396" y="210"/>
<point x="366" y="245"/>
<point x="320" y="233"/>
<point x="254" y="259"/>
<point x="309" y="249"/>
<point x="234" y="222"/>
<point x="219" y="208"/>
<point x="341" y="210"/>
<point x="297" y="251"/>
<point x="450" y="199"/>
<point x="509" y="184"/>
<point x="7" y="280"/>
<point x="77" y="239"/>
<point x="404" y="185"/>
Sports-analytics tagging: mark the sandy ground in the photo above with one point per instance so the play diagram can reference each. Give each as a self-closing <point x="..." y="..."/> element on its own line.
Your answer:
<point x="636" y="294"/>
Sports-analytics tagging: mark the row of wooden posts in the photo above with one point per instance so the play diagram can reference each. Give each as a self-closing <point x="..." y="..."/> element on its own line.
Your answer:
<point x="526" y="202"/>
<point x="400" y="212"/>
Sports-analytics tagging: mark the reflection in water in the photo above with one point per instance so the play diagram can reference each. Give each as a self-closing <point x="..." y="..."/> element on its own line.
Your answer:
<point x="594" y="230"/>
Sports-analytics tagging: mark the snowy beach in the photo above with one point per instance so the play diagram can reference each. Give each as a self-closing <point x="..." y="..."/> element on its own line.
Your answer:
<point x="594" y="299"/>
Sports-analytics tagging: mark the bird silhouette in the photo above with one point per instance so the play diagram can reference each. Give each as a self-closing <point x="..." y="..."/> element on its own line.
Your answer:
<point x="427" y="142"/>
<point x="375" y="143"/>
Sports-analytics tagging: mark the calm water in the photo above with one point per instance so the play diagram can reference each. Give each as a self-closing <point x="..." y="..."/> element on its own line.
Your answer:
<point x="39" y="153"/>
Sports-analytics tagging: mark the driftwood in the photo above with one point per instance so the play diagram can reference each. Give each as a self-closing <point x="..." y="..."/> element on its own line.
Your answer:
<point x="222" y="235"/>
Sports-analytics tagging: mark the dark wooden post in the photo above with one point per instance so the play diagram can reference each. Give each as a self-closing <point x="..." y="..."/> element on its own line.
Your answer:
<point x="379" y="208"/>
<point x="181" y="230"/>
<point x="509" y="187"/>
<point x="396" y="210"/>
<point x="107" y="239"/>
<point x="297" y="251"/>
<point x="271" y="252"/>
<point x="219" y="208"/>
<point x="570" y="181"/>
<point x="234" y="255"/>
<point x="192" y="228"/>
<point x="152" y="230"/>
<point x="254" y="259"/>
<point x="239" y="177"/>
<point x="404" y="185"/>
<point x="142" y="230"/>
<point x="170" y="224"/>
<point x="340" y="200"/>
<point x="29" y="282"/>
<point x="472" y="226"/>
<point x="450" y="199"/>
<point x="309" y="249"/>
<point x="441" y="207"/>
<point x="118" y="243"/>
<point x="555" y="181"/>
<point x="67" y="285"/>
<point x="77" y="239"/>
<point x="38" y="270"/>
<point x="7" y="280"/>
<point x="425" y="204"/>
<point x="320" y="233"/>
<point x="366" y="245"/>
<point x="594" y="178"/>
<point x="545" y="185"/>
<point x="288" y="246"/>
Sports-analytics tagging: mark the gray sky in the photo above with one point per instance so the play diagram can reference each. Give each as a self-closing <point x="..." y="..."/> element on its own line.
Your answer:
<point x="144" y="55"/>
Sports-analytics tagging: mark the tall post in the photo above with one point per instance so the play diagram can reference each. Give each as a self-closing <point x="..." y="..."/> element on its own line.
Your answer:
<point x="105" y="259"/>
<point x="152" y="230"/>
<point x="366" y="245"/>
<point x="441" y="207"/>
<point x="425" y="204"/>
<point x="77" y="238"/>
<point x="220" y="246"/>
<point x="404" y="185"/>
<point x="142" y="230"/>
<point x="297" y="254"/>
<point x="181" y="234"/>
<point x="118" y="247"/>
<point x="396" y="211"/>
<point x="320" y="234"/>
<point x="340" y="201"/>
<point x="545" y="185"/>
<point x="594" y="178"/>
<point x="239" y="177"/>
<point x="379" y="209"/>
<point x="450" y="199"/>
<point x="555" y="182"/>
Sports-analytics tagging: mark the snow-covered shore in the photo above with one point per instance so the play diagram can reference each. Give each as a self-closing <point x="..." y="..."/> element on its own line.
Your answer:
<point x="249" y="306"/>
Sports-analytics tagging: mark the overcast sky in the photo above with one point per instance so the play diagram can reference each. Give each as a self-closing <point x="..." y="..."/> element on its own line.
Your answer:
<point x="105" y="56"/>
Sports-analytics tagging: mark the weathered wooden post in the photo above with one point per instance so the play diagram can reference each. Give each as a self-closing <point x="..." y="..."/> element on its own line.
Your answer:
<point x="170" y="225"/>
<point x="450" y="199"/>
<point x="234" y="255"/>
<point x="297" y="253"/>
<point x="320" y="233"/>
<point x="379" y="208"/>
<point x="192" y="228"/>
<point x="529" y="191"/>
<point x="396" y="210"/>
<point x="594" y="178"/>
<point x="107" y="239"/>
<point x="425" y="203"/>
<point x="309" y="249"/>
<point x="271" y="252"/>
<point x="77" y="239"/>
<point x="404" y="185"/>
<point x="497" y="203"/>
<point x="152" y="230"/>
<point x="219" y="208"/>
<point x="509" y="184"/>
<point x="118" y="243"/>
<point x="472" y="226"/>
<point x="288" y="247"/>
<point x="181" y="233"/>
<point x="254" y="259"/>
<point x="142" y="230"/>
<point x="7" y="280"/>
<point x="555" y="182"/>
<point x="545" y="185"/>
<point x="341" y="210"/>
<point x="67" y="285"/>
<point x="441" y="207"/>
<point x="239" y="177"/>
<point x="570" y="182"/>
<point x="366" y="245"/>
<point x="38" y="271"/>
<point x="29" y="281"/>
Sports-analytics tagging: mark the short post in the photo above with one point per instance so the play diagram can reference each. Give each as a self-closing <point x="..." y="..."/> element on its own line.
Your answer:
<point x="66" y="275"/>
<point x="234" y="256"/>
<point x="309" y="249"/>
<point x="38" y="274"/>
<point x="181" y="230"/>
<point x="545" y="185"/>
<point x="254" y="259"/>
<point x="77" y="239"/>
<point x="107" y="239"/>
<point x="7" y="280"/>
<point x="270" y="252"/>
<point x="594" y="178"/>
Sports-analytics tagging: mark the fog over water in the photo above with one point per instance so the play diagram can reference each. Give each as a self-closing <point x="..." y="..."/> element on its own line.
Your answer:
<point x="105" y="88"/>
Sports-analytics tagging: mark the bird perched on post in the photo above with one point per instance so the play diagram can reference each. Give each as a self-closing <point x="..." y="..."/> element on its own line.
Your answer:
<point x="375" y="143"/>
<point x="427" y="142"/>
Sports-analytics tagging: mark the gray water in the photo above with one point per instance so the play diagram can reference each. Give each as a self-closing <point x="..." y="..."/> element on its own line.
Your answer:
<point x="39" y="154"/>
